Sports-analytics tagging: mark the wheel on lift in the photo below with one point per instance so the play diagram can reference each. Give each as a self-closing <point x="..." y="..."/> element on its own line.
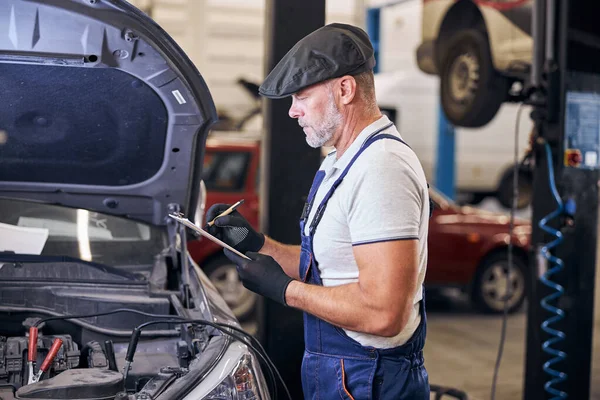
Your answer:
<point x="490" y="283"/>
<point x="471" y="89"/>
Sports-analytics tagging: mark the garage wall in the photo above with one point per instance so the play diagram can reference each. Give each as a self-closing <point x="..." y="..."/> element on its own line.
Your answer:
<point x="225" y="39"/>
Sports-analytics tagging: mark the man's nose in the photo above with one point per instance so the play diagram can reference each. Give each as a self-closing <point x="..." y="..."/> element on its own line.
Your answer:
<point x="294" y="111"/>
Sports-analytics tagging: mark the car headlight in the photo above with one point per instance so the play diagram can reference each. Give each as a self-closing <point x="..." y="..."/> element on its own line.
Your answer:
<point x="237" y="376"/>
<point x="243" y="383"/>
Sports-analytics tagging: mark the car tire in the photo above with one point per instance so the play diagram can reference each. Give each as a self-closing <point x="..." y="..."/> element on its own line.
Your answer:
<point x="223" y="274"/>
<point x="489" y="285"/>
<point x="470" y="88"/>
<point x="504" y="193"/>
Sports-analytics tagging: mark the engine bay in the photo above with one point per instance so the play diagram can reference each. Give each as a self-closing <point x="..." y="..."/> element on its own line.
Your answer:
<point x="59" y="366"/>
<point x="70" y="339"/>
<point x="66" y="369"/>
<point x="82" y="372"/>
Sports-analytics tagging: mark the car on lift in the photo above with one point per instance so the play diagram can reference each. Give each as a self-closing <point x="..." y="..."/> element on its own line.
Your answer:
<point x="102" y="134"/>
<point x="479" y="48"/>
<point x="467" y="246"/>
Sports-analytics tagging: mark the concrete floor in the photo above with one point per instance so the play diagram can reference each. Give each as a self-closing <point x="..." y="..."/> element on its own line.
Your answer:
<point x="462" y="346"/>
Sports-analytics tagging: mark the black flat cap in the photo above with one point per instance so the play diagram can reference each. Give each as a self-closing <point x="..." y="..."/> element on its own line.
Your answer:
<point x="329" y="52"/>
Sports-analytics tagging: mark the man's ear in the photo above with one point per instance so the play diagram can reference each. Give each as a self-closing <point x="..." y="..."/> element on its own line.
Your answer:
<point x="348" y="89"/>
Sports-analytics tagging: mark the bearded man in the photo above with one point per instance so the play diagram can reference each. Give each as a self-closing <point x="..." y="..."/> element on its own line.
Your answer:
<point x="359" y="271"/>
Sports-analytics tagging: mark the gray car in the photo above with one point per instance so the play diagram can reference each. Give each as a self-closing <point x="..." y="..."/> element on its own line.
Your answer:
<point x="103" y="121"/>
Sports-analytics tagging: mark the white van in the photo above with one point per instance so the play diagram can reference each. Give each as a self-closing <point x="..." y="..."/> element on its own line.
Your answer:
<point x="483" y="156"/>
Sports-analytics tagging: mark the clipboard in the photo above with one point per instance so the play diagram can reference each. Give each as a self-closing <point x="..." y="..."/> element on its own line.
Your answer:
<point x="180" y="218"/>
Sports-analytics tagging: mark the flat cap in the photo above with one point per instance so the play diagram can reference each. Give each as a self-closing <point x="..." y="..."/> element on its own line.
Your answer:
<point x="329" y="52"/>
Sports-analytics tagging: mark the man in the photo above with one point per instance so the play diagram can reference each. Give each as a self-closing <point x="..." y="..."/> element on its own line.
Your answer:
<point x="358" y="274"/>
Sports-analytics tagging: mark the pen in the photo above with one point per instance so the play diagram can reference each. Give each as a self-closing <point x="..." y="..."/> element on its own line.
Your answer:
<point x="226" y="212"/>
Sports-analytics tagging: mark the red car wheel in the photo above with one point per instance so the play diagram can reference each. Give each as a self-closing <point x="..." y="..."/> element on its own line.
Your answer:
<point x="490" y="285"/>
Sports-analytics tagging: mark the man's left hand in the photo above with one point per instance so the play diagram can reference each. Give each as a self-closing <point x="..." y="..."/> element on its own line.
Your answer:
<point x="262" y="275"/>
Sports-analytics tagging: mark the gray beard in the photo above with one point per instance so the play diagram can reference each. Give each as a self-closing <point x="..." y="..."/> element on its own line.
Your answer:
<point x="324" y="133"/>
<point x="319" y="138"/>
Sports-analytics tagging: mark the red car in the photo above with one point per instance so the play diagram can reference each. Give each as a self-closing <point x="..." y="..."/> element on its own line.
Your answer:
<point x="467" y="246"/>
<point x="468" y="249"/>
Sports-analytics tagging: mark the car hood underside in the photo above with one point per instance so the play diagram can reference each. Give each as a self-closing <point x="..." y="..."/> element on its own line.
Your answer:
<point x="101" y="110"/>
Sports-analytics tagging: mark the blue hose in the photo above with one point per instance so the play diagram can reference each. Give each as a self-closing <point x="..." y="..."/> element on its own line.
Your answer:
<point x="556" y="336"/>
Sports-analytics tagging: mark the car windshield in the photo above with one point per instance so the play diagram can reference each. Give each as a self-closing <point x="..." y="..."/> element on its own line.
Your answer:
<point x="225" y="171"/>
<point x="77" y="233"/>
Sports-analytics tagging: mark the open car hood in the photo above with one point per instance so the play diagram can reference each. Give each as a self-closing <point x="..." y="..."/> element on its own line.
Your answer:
<point x="100" y="109"/>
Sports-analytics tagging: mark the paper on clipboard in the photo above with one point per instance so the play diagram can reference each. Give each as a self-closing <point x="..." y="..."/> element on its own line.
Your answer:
<point x="207" y="235"/>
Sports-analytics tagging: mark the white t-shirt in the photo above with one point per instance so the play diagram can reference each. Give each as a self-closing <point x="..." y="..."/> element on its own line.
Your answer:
<point x="383" y="197"/>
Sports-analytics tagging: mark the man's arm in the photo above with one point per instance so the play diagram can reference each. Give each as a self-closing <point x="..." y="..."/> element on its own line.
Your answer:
<point x="380" y="303"/>
<point x="288" y="256"/>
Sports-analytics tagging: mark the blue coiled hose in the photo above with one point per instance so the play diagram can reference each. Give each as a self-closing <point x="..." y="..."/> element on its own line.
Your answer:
<point x="556" y="336"/>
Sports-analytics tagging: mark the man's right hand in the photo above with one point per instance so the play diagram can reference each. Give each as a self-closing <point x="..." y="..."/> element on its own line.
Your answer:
<point x="234" y="229"/>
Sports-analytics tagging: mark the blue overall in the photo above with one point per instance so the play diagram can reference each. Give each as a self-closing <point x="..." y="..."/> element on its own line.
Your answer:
<point x="336" y="366"/>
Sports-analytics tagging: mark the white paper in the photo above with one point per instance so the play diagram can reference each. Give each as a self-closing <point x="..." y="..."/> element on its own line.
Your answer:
<point x="22" y="240"/>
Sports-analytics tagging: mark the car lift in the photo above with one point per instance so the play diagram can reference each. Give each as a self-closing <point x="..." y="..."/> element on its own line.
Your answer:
<point x="565" y="95"/>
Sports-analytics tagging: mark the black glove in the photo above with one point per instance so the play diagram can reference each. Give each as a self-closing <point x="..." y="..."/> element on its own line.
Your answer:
<point x="234" y="229"/>
<point x="262" y="275"/>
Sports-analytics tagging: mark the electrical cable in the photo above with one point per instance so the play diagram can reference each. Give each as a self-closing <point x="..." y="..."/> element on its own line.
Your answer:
<point x="556" y="335"/>
<point x="255" y="345"/>
<point x="259" y="351"/>
<point x="99" y="314"/>
<point x="222" y="328"/>
<point x="507" y="295"/>
<point x="559" y="314"/>
<point x="270" y="366"/>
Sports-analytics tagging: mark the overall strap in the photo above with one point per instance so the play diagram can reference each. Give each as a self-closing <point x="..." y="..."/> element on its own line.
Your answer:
<point x="311" y="195"/>
<point x="375" y="137"/>
<point x="320" y="175"/>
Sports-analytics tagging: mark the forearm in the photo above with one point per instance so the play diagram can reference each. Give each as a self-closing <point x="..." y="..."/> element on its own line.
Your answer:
<point x="288" y="256"/>
<point x="349" y="307"/>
